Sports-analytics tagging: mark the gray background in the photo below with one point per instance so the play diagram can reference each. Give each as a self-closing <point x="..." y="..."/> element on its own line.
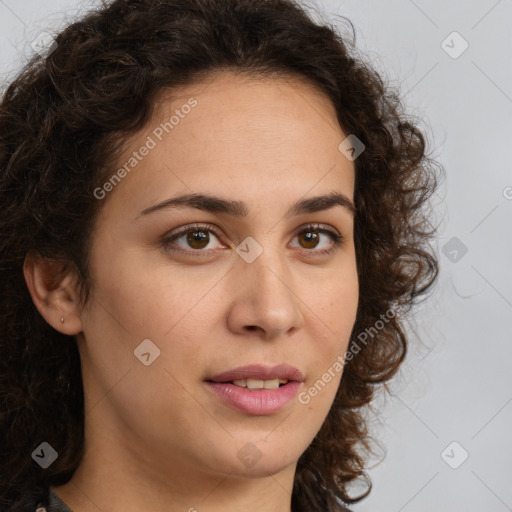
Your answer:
<point x="456" y="384"/>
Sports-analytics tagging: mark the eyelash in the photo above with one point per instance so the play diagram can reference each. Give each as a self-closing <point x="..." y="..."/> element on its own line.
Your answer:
<point x="166" y="242"/>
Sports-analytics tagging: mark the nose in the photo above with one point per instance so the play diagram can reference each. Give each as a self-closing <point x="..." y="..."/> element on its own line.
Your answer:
<point x="265" y="298"/>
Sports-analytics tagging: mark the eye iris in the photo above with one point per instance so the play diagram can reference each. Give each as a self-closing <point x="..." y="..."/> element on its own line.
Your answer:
<point x="201" y="237"/>
<point x="310" y="237"/>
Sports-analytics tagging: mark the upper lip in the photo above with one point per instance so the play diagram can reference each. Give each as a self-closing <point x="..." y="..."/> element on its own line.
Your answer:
<point x="261" y="372"/>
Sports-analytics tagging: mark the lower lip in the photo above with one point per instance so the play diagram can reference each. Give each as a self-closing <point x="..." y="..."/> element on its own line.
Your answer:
<point x="260" y="402"/>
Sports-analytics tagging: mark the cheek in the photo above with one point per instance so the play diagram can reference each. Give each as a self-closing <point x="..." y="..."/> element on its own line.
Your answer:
<point x="132" y="302"/>
<point x="147" y="296"/>
<point x="137" y="301"/>
<point x="334" y="323"/>
<point x="339" y="298"/>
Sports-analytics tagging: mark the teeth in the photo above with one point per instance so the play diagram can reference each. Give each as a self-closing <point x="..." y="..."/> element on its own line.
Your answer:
<point x="259" y="384"/>
<point x="271" y="384"/>
<point x="255" y="383"/>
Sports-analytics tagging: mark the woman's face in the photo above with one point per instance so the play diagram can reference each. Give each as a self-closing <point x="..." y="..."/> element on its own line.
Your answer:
<point x="167" y="317"/>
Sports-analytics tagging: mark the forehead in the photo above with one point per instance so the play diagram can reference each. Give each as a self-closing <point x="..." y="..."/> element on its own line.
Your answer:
<point x="234" y="105"/>
<point x="238" y="135"/>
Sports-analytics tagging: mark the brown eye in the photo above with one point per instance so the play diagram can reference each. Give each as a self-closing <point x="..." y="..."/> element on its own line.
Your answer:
<point x="198" y="239"/>
<point x="311" y="239"/>
<point x="192" y="239"/>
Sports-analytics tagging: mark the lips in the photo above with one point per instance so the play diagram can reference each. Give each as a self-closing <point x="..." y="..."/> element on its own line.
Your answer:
<point x="260" y="372"/>
<point x="257" y="401"/>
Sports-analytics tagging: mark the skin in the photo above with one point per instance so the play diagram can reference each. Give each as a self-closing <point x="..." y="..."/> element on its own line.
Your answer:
<point x="155" y="438"/>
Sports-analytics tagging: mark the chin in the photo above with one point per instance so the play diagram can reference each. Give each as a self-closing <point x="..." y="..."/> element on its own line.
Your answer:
<point x="269" y="469"/>
<point x="258" y="459"/>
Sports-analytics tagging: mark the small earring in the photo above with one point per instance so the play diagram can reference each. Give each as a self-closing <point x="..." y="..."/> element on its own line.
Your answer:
<point x="62" y="320"/>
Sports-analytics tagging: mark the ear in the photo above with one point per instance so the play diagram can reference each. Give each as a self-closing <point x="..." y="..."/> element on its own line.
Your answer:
<point x="54" y="293"/>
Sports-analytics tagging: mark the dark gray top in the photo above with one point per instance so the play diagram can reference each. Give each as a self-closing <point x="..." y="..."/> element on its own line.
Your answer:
<point x="55" y="504"/>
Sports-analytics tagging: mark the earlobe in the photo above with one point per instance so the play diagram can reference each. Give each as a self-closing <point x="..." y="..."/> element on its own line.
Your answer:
<point x="54" y="293"/>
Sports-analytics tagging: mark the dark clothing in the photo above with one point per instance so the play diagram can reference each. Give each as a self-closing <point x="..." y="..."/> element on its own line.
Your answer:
<point x="55" y="504"/>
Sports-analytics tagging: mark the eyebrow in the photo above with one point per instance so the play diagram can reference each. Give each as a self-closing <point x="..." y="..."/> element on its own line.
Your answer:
<point x="216" y="204"/>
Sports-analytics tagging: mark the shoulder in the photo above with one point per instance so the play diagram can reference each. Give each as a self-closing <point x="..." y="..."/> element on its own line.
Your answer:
<point x="53" y="503"/>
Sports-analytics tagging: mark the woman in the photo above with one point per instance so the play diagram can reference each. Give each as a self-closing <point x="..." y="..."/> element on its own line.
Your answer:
<point x="212" y="228"/>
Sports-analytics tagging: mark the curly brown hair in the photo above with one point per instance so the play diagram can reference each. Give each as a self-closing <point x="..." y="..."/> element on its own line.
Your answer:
<point x="61" y="120"/>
